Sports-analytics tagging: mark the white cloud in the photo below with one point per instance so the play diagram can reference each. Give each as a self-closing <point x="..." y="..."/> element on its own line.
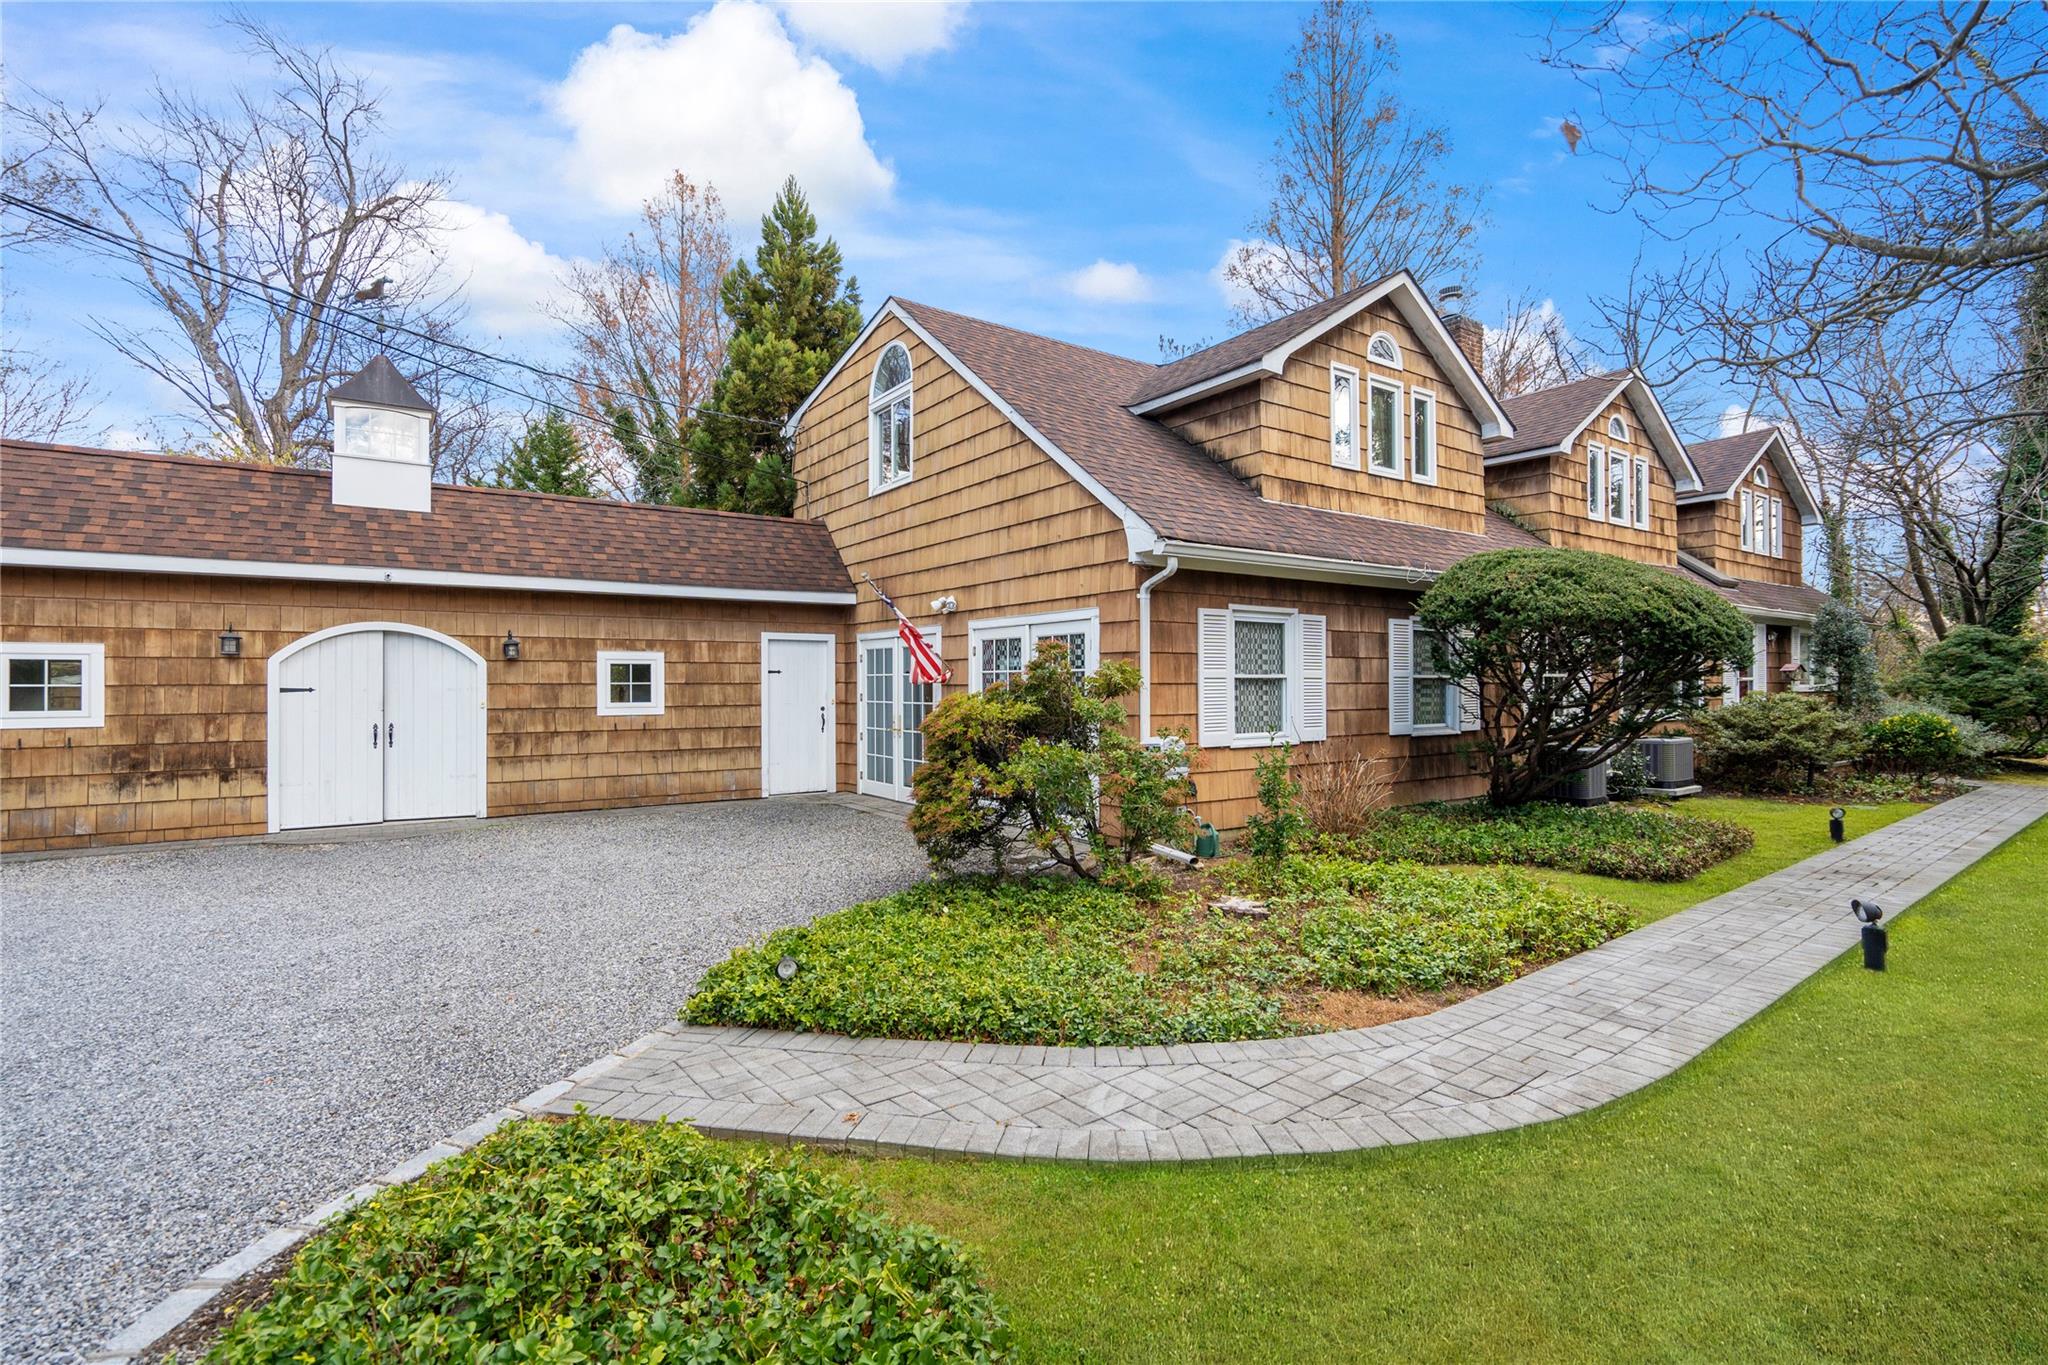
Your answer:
<point x="728" y="101"/>
<point x="508" y="279"/>
<point x="1736" y="419"/>
<point x="883" y="34"/>
<point x="1110" y="282"/>
<point x="1264" y="259"/>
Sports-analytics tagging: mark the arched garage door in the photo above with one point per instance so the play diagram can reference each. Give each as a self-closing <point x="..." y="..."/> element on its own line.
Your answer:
<point x="375" y="721"/>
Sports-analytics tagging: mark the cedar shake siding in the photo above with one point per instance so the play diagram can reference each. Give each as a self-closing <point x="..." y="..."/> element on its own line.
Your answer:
<point x="181" y="753"/>
<point x="1710" y="526"/>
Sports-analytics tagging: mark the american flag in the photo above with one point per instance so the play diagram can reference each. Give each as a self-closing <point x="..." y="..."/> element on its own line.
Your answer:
<point x="925" y="666"/>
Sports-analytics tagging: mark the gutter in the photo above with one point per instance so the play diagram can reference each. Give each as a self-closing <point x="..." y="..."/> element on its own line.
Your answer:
<point x="1145" y="644"/>
<point x="1273" y="564"/>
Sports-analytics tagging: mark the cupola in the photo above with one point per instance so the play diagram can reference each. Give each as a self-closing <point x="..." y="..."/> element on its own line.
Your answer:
<point x="383" y="441"/>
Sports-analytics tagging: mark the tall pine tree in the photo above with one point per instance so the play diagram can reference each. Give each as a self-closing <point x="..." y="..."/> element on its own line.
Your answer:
<point x="547" y="458"/>
<point x="654" y="443"/>
<point x="2023" y="485"/>
<point x="792" y="318"/>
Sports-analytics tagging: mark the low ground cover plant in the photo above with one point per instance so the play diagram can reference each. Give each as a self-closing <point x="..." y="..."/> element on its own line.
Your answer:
<point x="593" y="1239"/>
<point x="1059" y="962"/>
<point x="1638" y="843"/>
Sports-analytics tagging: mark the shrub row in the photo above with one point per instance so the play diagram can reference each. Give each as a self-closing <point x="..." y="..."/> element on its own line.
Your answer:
<point x="1612" y="841"/>
<point x="1789" y="742"/>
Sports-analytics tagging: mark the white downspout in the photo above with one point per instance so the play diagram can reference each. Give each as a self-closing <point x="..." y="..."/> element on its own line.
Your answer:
<point x="1145" y="643"/>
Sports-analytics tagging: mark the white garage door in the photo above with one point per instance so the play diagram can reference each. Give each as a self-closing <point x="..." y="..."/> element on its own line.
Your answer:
<point x="373" y="724"/>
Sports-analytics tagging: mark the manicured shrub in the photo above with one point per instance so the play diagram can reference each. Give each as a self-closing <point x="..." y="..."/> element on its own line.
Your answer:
<point x="1922" y="741"/>
<point x="1279" y="823"/>
<point x="1780" y="742"/>
<point x="1577" y="655"/>
<point x="1034" y="764"/>
<point x="1610" y="841"/>
<point x="1841" y="660"/>
<point x="1999" y="681"/>
<point x="594" y="1239"/>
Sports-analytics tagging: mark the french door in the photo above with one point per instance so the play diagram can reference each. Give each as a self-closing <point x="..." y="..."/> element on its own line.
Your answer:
<point x="892" y="711"/>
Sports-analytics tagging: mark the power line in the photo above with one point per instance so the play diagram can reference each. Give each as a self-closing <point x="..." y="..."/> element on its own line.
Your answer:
<point x="264" y="290"/>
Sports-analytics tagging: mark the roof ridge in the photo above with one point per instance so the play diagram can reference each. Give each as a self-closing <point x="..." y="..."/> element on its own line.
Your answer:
<point x="1022" y="332"/>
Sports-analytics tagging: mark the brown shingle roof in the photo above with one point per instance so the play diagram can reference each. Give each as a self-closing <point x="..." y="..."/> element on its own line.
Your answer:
<point x="1075" y="397"/>
<point x="1794" y="599"/>
<point x="117" y="502"/>
<point x="1722" y="462"/>
<point x="1242" y="349"/>
<point x="1547" y="417"/>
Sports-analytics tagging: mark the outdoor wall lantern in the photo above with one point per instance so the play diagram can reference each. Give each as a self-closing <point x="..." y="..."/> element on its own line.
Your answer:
<point x="1835" y="823"/>
<point x="230" y="644"/>
<point x="511" y="647"/>
<point x="785" y="970"/>
<point x="1875" y="940"/>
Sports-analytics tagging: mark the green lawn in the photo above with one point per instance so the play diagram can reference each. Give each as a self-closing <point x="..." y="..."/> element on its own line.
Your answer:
<point x="1785" y="833"/>
<point x="1862" y="1173"/>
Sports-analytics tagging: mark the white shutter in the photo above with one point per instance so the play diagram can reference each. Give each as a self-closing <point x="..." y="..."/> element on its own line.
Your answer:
<point x="1761" y="669"/>
<point x="1468" y="704"/>
<point x="1313" y="670"/>
<point x="1218" y="723"/>
<point x="1400" y="676"/>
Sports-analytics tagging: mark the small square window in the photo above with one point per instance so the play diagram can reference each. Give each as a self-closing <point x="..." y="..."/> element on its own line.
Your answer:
<point x="630" y="684"/>
<point x="53" y="686"/>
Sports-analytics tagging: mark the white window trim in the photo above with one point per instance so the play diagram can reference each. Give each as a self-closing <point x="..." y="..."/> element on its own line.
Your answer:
<point x="1399" y="391"/>
<point x="1358" y="419"/>
<point x="1596" y="475"/>
<point x="876" y="402"/>
<point x="92" y="687"/>
<point x="1617" y="428"/>
<point x="1388" y="337"/>
<point x="658" y="674"/>
<point x="1777" y="528"/>
<point x="1087" y="623"/>
<point x="1436" y="460"/>
<point x="1302" y="694"/>
<point x="1620" y="514"/>
<point x="1640" y="483"/>
<point x="1453" y="689"/>
<point x="1745" y="536"/>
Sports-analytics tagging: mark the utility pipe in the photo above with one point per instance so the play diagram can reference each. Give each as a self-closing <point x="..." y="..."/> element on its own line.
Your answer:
<point x="1145" y="644"/>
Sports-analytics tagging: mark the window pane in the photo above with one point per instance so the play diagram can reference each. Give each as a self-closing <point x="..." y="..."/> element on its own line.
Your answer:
<point x="1343" y="419"/>
<point x="1382" y="409"/>
<point x="1077" y="651"/>
<point x="1002" y="658"/>
<point x="1432" y="701"/>
<point x="1261" y="705"/>
<point x="880" y="666"/>
<point x="25" y="697"/>
<point x="894" y="369"/>
<point x="1261" y="647"/>
<point x="1642" y="491"/>
<point x="1422" y="448"/>
<point x="1617" y="489"/>
<point x="1593" y="478"/>
<point x="901" y="423"/>
<point x="27" y="672"/>
<point x="67" y="698"/>
<point x="70" y="671"/>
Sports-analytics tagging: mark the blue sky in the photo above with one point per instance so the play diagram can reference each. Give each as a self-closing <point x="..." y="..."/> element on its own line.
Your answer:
<point x="1074" y="169"/>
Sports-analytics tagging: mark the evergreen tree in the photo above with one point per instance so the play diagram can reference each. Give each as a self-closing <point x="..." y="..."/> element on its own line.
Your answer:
<point x="547" y="458"/>
<point x="2016" y="572"/>
<point x="654" y="444"/>
<point x="791" y="318"/>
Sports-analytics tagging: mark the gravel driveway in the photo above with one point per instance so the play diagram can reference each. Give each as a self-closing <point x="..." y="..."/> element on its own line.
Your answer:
<point x="199" y="1041"/>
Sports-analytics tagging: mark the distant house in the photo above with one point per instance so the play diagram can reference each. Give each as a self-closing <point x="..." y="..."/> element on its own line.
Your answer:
<point x="197" y="648"/>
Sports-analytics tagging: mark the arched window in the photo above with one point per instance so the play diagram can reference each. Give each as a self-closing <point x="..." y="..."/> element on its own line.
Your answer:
<point x="1617" y="428"/>
<point x="1382" y="350"/>
<point x="889" y="419"/>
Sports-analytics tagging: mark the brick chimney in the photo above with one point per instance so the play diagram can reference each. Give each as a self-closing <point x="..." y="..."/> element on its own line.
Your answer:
<point x="1469" y="332"/>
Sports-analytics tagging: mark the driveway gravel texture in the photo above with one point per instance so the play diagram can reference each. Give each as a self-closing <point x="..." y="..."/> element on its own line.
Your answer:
<point x="202" y="1042"/>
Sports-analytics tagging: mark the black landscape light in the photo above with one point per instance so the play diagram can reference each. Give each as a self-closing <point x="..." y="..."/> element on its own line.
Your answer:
<point x="1835" y="823"/>
<point x="785" y="970"/>
<point x="230" y="644"/>
<point x="1875" y="940"/>
<point x="511" y="647"/>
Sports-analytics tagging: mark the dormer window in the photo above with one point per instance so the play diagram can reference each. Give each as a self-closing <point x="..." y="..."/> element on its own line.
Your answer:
<point x="1383" y="350"/>
<point x="1383" y="427"/>
<point x="1617" y="428"/>
<point x="889" y="419"/>
<point x="1343" y="417"/>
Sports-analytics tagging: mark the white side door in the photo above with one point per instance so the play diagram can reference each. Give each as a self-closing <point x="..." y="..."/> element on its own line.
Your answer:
<point x="796" y="714"/>
<point x="329" y="714"/>
<point x="433" y="730"/>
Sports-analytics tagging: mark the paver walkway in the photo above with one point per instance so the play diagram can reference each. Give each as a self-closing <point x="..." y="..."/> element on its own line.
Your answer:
<point x="1567" y="1038"/>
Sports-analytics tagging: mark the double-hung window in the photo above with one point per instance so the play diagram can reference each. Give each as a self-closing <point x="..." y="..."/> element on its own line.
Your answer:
<point x="1759" y="532"/>
<point x="1263" y="676"/>
<point x="999" y="651"/>
<point x="1641" y="490"/>
<point x="630" y="683"/>
<point x="1422" y="699"/>
<point x="1777" y="528"/>
<point x="1748" y="539"/>
<point x="1383" y="426"/>
<point x="1422" y="435"/>
<point x="889" y="409"/>
<point x="53" y="686"/>
<point x="1596" y="481"/>
<point x="1344" y="417"/>
<point x="1617" y="487"/>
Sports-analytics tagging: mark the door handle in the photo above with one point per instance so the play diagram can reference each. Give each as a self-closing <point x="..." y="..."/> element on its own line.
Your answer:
<point x="373" y="734"/>
<point x="391" y="735"/>
<point x="821" y="720"/>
